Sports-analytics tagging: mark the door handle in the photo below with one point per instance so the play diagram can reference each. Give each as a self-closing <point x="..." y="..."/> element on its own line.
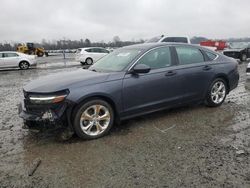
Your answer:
<point x="170" y="73"/>
<point x="207" y="67"/>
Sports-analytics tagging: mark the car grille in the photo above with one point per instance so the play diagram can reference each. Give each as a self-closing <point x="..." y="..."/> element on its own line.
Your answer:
<point x="39" y="108"/>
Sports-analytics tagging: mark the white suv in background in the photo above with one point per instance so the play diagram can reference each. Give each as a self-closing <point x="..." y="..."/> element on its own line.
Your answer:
<point x="10" y="59"/>
<point x="90" y="55"/>
<point x="163" y="38"/>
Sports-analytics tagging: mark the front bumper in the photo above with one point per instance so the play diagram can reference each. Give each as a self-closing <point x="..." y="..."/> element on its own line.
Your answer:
<point x="46" y="116"/>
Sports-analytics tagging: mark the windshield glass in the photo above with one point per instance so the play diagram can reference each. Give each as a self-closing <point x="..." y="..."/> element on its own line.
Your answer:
<point x="176" y="39"/>
<point x="155" y="39"/>
<point x="115" y="61"/>
<point x="238" y="45"/>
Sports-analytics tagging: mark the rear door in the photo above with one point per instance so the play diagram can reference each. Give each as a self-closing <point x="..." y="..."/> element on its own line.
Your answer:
<point x="196" y="70"/>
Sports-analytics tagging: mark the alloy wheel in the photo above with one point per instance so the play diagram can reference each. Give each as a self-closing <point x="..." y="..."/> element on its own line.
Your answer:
<point x="95" y="120"/>
<point x="218" y="92"/>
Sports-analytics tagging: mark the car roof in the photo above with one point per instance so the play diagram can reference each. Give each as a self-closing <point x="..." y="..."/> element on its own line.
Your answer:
<point x="148" y="46"/>
<point x="89" y="48"/>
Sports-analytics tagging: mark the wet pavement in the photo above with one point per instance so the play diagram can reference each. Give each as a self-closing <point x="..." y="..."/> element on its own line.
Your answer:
<point x="192" y="146"/>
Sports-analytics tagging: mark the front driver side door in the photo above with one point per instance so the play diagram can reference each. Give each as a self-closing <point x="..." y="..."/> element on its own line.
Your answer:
<point x="153" y="90"/>
<point x="11" y="59"/>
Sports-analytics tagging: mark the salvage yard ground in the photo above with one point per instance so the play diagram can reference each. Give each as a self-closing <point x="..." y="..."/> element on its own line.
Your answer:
<point x="192" y="146"/>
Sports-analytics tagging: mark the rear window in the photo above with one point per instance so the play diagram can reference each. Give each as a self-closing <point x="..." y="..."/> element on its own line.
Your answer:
<point x="176" y="39"/>
<point x="155" y="39"/>
<point x="78" y="51"/>
<point x="210" y="55"/>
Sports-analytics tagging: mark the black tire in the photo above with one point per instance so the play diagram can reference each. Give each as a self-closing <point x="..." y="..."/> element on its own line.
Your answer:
<point x="243" y="57"/>
<point x="210" y="99"/>
<point x="83" y="108"/>
<point x="89" y="61"/>
<point x="24" y="65"/>
<point x="40" y="54"/>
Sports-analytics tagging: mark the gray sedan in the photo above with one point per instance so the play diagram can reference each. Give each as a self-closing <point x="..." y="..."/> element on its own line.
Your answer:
<point x="129" y="82"/>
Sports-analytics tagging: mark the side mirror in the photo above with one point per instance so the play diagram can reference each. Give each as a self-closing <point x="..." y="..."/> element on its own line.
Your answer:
<point x="141" y="68"/>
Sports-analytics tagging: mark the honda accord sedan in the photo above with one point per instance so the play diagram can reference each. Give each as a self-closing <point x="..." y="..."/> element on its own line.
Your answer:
<point x="128" y="82"/>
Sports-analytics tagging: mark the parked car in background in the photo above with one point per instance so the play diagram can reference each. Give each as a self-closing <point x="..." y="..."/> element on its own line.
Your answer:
<point x="239" y="51"/>
<point x="90" y="55"/>
<point x="10" y="59"/>
<point x="163" y="38"/>
<point x="129" y="82"/>
<point x="248" y="70"/>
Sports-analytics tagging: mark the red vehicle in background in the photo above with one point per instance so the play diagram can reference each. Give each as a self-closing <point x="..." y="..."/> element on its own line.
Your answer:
<point x="219" y="45"/>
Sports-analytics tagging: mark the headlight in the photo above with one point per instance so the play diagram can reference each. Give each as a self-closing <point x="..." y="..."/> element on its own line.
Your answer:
<point x="47" y="99"/>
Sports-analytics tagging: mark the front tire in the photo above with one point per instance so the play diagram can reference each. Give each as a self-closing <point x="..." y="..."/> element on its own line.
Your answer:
<point x="24" y="65"/>
<point x="93" y="119"/>
<point x="216" y="93"/>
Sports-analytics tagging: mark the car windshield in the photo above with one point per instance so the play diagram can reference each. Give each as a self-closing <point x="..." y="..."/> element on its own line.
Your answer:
<point x="238" y="45"/>
<point x="176" y="39"/>
<point x="155" y="39"/>
<point x="115" y="61"/>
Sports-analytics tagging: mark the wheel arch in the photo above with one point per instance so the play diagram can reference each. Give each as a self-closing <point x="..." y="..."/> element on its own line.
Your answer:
<point x="104" y="97"/>
<point x="225" y="78"/>
<point x="23" y="60"/>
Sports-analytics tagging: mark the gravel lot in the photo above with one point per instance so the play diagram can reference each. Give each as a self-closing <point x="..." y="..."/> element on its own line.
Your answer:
<point x="193" y="146"/>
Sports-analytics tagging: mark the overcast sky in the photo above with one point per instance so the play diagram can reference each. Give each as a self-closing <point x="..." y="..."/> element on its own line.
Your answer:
<point x="33" y="20"/>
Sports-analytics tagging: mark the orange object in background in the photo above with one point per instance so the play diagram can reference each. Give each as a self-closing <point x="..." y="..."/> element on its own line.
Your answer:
<point x="220" y="45"/>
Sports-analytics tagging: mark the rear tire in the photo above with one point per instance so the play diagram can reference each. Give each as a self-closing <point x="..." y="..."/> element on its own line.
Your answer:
<point x="243" y="57"/>
<point x="24" y="65"/>
<point x="40" y="54"/>
<point x="217" y="93"/>
<point x="93" y="119"/>
<point x="89" y="61"/>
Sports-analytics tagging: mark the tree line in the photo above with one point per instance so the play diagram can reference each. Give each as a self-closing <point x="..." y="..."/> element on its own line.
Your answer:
<point x="117" y="42"/>
<point x="72" y="44"/>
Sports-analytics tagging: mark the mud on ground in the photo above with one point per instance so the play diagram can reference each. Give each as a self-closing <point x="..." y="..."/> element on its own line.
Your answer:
<point x="192" y="146"/>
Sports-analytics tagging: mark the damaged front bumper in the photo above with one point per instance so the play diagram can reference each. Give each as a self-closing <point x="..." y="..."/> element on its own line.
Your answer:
<point x="49" y="116"/>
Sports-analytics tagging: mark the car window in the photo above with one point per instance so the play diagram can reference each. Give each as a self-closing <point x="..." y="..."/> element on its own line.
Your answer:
<point x="88" y="50"/>
<point x="1" y="55"/>
<point x="78" y="50"/>
<point x="157" y="58"/>
<point x="103" y="50"/>
<point x="175" y="39"/>
<point x="10" y="55"/>
<point x="189" y="55"/>
<point x="210" y="55"/>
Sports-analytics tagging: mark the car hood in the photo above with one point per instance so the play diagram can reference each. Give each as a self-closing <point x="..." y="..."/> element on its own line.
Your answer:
<point x="65" y="80"/>
<point x="233" y="50"/>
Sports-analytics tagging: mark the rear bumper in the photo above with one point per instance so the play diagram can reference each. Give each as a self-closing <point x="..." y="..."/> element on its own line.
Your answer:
<point x="233" y="79"/>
